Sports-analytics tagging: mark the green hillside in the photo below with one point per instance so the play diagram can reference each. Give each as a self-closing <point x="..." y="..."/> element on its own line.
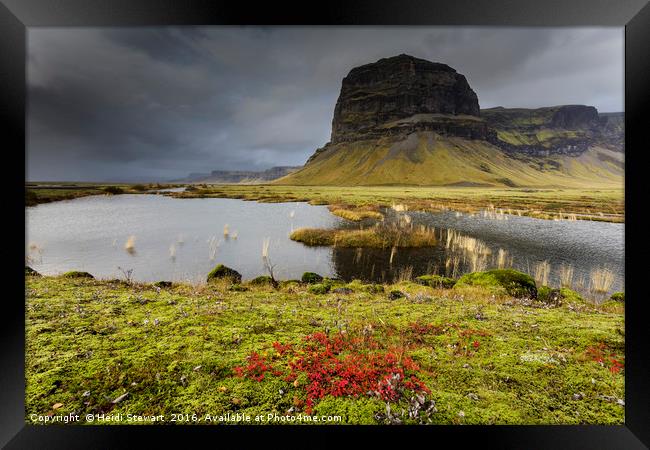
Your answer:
<point x="427" y="159"/>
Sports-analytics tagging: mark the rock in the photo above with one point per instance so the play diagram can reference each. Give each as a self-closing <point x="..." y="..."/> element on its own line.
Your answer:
<point x="262" y="279"/>
<point x="237" y="288"/>
<point x="77" y="274"/>
<point x="29" y="272"/>
<point x="395" y="294"/>
<point x="311" y="277"/>
<point x="618" y="297"/>
<point x="575" y="116"/>
<point x="512" y="282"/>
<point x="396" y="88"/>
<point x="319" y="289"/>
<point x="373" y="288"/>
<point x="163" y="284"/>
<point x="343" y="290"/>
<point x="221" y="272"/>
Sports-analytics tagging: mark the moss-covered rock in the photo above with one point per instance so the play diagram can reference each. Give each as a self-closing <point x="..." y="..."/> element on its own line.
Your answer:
<point x="512" y="282"/>
<point x="261" y="280"/>
<point x="319" y="288"/>
<point x="571" y="296"/>
<point x="373" y="288"/>
<point x="221" y="271"/>
<point x="556" y="297"/>
<point x="77" y="274"/>
<point x="31" y="272"/>
<point x="237" y="288"/>
<point x="395" y="294"/>
<point x="436" y="281"/>
<point x="311" y="277"/>
<point x="618" y="297"/>
<point x="163" y="284"/>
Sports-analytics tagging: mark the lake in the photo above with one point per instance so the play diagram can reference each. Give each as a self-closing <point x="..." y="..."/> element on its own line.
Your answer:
<point x="182" y="239"/>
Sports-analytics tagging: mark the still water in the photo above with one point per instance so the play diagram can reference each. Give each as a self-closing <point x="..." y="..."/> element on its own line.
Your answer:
<point x="182" y="239"/>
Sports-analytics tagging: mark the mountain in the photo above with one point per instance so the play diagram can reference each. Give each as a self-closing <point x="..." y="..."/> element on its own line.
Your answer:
<point x="405" y="120"/>
<point x="241" y="176"/>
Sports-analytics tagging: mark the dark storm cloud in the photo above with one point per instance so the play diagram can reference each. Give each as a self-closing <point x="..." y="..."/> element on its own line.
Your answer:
<point x="129" y="103"/>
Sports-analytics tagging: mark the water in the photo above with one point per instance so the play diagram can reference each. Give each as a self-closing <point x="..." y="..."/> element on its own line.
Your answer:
<point x="90" y="234"/>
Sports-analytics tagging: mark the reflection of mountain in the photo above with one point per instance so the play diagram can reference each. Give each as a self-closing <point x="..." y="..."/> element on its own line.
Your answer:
<point x="404" y="120"/>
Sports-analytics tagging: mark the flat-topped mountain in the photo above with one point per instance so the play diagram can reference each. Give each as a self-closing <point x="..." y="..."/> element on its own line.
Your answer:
<point x="405" y="120"/>
<point x="396" y="88"/>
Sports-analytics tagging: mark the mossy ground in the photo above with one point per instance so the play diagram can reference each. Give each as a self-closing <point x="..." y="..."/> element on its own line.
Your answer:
<point x="486" y="359"/>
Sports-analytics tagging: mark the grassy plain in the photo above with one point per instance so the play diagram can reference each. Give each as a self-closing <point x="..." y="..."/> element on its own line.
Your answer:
<point x="465" y="356"/>
<point x="589" y="204"/>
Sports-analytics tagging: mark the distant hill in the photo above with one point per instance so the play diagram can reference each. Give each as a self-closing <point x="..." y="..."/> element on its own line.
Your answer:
<point x="404" y="120"/>
<point x="241" y="176"/>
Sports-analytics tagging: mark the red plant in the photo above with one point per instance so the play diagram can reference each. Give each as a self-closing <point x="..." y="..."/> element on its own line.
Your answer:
<point x="476" y="344"/>
<point x="606" y="358"/>
<point x="341" y="365"/>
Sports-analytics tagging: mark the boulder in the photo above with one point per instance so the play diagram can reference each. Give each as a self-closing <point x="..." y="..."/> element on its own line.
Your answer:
<point x="512" y="282"/>
<point x="221" y="271"/>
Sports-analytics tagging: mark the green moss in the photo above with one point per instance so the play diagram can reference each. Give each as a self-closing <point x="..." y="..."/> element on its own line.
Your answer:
<point x="510" y="281"/>
<point x="77" y="274"/>
<point x="311" y="277"/>
<point x="175" y="350"/>
<point x="237" y="288"/>
<point x="571" y="296"/>
<point x="319" y="288"/>
<point x="436" y="281"/>
<point x="618" y="297"/>
<point x="373" y="288"/>
<point x="221" y="272"/>
<point x="261" y="280"/>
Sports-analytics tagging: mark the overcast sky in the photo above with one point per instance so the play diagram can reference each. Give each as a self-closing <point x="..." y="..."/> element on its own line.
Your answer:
<point x="158" y="103"/>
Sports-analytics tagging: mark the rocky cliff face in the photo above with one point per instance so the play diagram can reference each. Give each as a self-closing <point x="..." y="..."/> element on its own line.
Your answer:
<point x="396" y="88"/>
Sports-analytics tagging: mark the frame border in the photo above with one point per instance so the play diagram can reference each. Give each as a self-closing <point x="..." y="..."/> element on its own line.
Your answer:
<point x="18" y="15"/>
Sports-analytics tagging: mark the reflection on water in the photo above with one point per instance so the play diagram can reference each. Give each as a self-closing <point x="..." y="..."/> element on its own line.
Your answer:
<point x="182" y="239"/>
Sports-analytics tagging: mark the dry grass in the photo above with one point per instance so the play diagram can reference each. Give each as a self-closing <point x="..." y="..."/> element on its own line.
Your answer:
<point x="376" y="237"/>
<point x="130" y="245"/>
<point x="542" y="271"/>
<point x="566" y="276"/>
<point x="602" y="280"/>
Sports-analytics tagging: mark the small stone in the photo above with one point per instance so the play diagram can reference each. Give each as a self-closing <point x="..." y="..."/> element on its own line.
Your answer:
<point x="472" y="396"/>
<point x="461" y="414"/>
<point x="578" y="396"/>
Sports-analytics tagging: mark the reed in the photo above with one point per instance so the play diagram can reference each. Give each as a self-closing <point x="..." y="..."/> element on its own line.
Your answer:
<point x="602" y="280"/>
<point x="130" y="245"/>
<point x="542" y="271"/>
<point x="566" y="276"/>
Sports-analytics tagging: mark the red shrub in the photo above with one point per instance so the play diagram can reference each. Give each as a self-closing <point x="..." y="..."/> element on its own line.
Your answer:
<point x="341" y="365"/>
